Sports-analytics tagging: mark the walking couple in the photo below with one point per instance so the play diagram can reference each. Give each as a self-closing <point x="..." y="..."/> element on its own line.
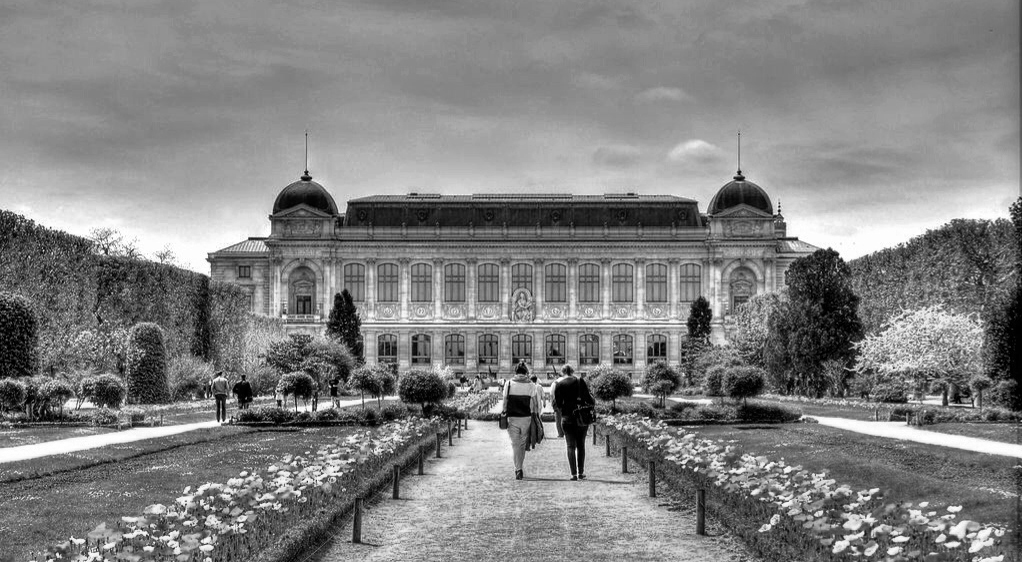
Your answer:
<point x="523" y="401"/>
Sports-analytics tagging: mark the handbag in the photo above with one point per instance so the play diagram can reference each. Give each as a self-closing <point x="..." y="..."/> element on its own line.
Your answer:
<point x="585" y="415"/>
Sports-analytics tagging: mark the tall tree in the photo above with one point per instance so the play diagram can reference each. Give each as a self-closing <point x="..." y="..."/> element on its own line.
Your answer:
<point x="818" y="324"/>
<point x="751" y="326"/>
<point x="699" y="318"/>
<point x="344" y="324"/>
<point x="1001" y="346"/>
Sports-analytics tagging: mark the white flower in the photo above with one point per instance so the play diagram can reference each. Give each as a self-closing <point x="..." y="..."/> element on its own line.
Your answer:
<point x="840" y="546"/>
<point x="893" y="551"/>
<point x="954" y="508"/>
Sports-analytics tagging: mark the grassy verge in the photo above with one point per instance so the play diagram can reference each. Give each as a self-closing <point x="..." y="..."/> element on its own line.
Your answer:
<point x="1003" y="432"/>
<point x="43" y="511"/>
<point x="983" y="484"/>
<point x="16" y="437"/>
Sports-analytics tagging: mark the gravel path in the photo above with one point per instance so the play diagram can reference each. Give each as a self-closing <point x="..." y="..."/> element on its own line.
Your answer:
<point x="899" y="430"/>
<point x="468" y="506"/>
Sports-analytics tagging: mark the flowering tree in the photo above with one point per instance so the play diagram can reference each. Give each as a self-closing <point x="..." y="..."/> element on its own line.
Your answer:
<point x="925" y="346"/>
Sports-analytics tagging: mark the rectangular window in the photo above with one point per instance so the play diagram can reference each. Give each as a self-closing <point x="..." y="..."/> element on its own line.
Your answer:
<point x="521" y="277"/>
<point x="422" y="282"/>
<point x="355" y="281"/>
<point x="556" y="283"/>
<point x="489" y="349"/>
<point x="244" y="272"/>
<point x="656" y="282"/>
<point x="488" y="282"/>
<point x="622" y="283"/>
<point x="454" y="349"/>
<point x="623" y="350"/>
<point x="386" y="350"/>
<point x="521" y="349"/>
<point x="589" y="349"/>
<point x="454" y="282"/>
<point x="386" y="282"/>
<point x="656" y="348"/>
<point x="691" y="285"/>
<point x="421" y="349"/>
<point x="589" y="283"/>
<point x="556" y="347"/>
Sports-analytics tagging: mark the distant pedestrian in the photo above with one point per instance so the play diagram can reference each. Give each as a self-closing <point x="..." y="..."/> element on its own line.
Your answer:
<point x="279" y="397"/>
<point x="558" y="415"/>
<point x="243" y="390"/>
<point x="335" y="392"/>
<point x="219" y="388"/>
<point x="519" y="405"/>
<point x="536" y="431"/>
<point x="570" y="393"/>
<point x="477" y="384"/>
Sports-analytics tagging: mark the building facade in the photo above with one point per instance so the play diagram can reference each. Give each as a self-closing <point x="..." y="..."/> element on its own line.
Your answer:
<point x="481" y="282"/>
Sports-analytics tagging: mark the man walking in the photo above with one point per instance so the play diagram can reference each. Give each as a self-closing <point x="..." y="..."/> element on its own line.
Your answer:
<point x="557" y="411"/>
<point x="243" y="390"/>
<point x="220" y="389"/>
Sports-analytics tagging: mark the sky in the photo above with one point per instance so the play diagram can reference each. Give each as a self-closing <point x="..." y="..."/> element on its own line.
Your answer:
<point x="177" y="122"/>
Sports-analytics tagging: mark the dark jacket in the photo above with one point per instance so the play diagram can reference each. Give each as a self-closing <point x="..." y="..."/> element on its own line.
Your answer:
<point x="570" y="393"/>
<point x="243" y="390"/>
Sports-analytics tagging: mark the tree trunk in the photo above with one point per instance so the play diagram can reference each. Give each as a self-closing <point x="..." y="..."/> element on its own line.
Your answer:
<point x="979" y="398"/>
<point x="363" y="399"/>
<point x="943" y="397"/>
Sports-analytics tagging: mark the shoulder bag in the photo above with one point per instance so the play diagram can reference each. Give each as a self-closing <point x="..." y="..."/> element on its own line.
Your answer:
<point x="584" y="414"/>
<point x="502" y="418"/>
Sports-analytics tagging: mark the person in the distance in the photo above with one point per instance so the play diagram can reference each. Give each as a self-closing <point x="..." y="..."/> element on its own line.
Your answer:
<point x="570" y="393"/>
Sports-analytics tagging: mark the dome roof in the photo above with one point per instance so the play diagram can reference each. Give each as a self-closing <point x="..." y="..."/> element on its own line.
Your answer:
<point x="738" y="192"/>
<point x="305" y="191"/>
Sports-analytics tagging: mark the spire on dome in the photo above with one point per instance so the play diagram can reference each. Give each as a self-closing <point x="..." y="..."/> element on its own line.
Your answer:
<point x="739" y="175"/>
<point x="306" y="176"/>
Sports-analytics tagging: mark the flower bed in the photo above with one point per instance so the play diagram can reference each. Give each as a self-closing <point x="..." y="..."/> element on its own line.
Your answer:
<point x="243" y="517"/>
<point x="785" y="512"/>
<point x="691" y="412"/>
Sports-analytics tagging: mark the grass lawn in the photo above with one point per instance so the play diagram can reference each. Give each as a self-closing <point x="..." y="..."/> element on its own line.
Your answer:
<point x="904" y="471"/>
<point x="16" y="437"/>
<point x="43" y="511"/>
<point x="1003" y="432"/>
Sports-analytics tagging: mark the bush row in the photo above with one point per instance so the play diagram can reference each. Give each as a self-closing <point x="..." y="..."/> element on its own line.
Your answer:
<point x="755" y="412"/>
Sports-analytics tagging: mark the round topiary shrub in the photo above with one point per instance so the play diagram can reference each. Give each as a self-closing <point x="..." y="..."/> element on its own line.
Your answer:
<point x="54" y="393"/>
<point x="742" y="383"/>
<point x="660" y="380"/>
<point x="297" y="385"/>
<point x="108" y="391"/>
<point x="890" y="393"/>
<point x="147" y="365"/>
<point x="12" y="394"/>
<point x="423" y="387"/>
<point x="610" y="385"/>
<point x="713" y="381"/>
<point x="19" y="337"/>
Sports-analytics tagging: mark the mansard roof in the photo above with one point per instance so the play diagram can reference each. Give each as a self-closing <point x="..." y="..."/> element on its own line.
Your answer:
<point x="523" y="209"/>
<point x="250" y="246"/>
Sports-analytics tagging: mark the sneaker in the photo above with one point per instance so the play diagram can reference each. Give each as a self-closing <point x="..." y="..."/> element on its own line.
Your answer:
<point x="573" y="478"/>
<point x="519" y="475"/>
<point x="581" y="476"/>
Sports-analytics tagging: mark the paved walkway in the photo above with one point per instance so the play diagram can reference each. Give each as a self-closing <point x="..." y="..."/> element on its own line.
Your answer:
<point x="899" y="430"/>
<point x="468" y="506"/>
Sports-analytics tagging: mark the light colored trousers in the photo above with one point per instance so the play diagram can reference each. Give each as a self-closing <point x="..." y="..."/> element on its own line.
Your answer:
<point x="518" y="431"/>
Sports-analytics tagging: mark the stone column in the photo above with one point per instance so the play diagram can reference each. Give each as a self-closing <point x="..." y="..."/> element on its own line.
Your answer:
<point x="674" y="348"/>
<point x="504" y="357"/>
<point x="605" y="267"/>
<point x="606" y="347"/>
<point x="404" y="349"/>
<point x="404" y="292"/>
<point x="276" y="298"/>
<point x="505" y="289"/>
<point x="438" y="288"/>
<point x="371" y="288"/>
<point x="640" y="288"/>
<point x="472" y="350"/>
<point x="369" y="346"/>
<point x="540" y="284"/>
<point x="538" y="351"/>
<point x="571" y="349"/>
<point x="768" y="275"/>
<point x="639" y="351"/>
<point x="470" y="291"/>
<point x="437" y="351"/>
<point x="673" y="286"/>
<point x="572" y="311"/>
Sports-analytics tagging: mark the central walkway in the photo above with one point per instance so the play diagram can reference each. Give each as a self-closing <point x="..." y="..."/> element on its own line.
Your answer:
<point x="468" y="506"/>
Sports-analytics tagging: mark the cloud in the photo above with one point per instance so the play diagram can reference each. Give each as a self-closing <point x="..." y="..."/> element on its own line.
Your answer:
<point x="695" y="151"/>
<point x="616" y="156"/>
<point x="662" y="93"/>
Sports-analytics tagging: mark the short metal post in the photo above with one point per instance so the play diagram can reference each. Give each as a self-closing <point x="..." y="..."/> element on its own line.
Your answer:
<point x="397" y="481"/>
<point x="439" y="436"/>
<point x="876" y="414"/>
<point x="624" y="460"/>
<point x="701" y="512"/>
<point x="652" y="479"/>
<point x="420" y="462"/>
<point x="608" y="445"/>
<point x="356" y="525"/>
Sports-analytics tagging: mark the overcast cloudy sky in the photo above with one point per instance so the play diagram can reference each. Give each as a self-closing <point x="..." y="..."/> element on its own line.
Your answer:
<point x="178" y="121"/>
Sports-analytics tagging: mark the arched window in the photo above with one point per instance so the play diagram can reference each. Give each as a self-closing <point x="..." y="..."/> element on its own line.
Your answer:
<point x="386" y="282"/>
<point x="454" y="282"/>
<point x="556" y="348"/>
<point x="521" y="349"/>
<point x="743" y="286"/>
<point x="656" y="282"/>
<point x="421" y="354"/>
<point x="489" y="349"/>
<point x="622" y="283"/>
<point x="656" y="348"/>
<point x="691" y="284"/>
<point x="556" y="283"/>
<point x="589" y="283"/>
<point x="488" y="282"/>
<point x="521" y="277"/>
<point x="355" y="281"/>
<point x="302" y="287"/>
<point x="386" y="349"/>
<point x="422" y="282"/>
<point x="623" y="349"/>
<point x="589" y="349"/>
<point x="454" y="349"/>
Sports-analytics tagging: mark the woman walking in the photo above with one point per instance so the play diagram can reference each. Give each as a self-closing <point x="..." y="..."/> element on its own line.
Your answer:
<point x="519" y="405"/>
<point x="570" y="393"/>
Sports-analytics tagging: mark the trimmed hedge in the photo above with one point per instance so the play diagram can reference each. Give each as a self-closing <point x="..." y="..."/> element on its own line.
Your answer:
<point x="19" y="336"/>
<point x="108" y="391"/>
<point x="147" y="366"/>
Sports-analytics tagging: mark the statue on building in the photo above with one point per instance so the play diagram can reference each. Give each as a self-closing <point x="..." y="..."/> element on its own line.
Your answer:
<point x="522" y="306"/>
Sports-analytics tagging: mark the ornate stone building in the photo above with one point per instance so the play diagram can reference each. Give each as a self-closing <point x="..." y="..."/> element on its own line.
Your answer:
<point x="480" y="282"/>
